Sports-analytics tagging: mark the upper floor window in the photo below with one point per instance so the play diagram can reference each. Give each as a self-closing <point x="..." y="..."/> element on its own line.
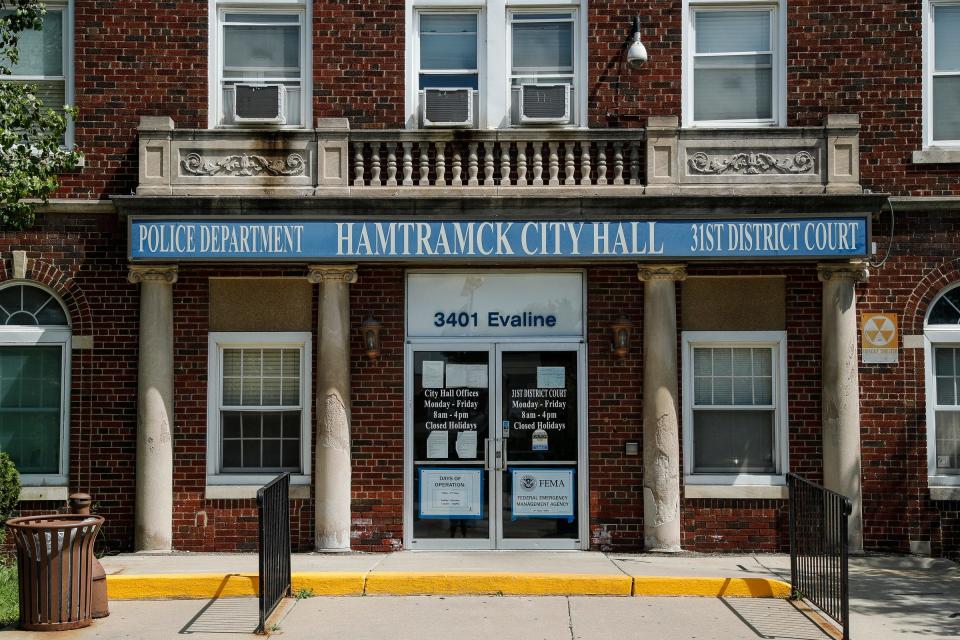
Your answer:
<point x="34" y="383"/>
<point x="259" y="73"/>
<point x="46" y="60"/>
<point x="942" y="64"/>
<point x="942" y="354"/>
<point x="733" y="65"/>
<point x="494" y="66"/>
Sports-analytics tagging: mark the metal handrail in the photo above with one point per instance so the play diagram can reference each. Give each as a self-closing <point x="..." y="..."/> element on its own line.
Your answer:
<point x="273" y="506"/>
<point x="819" y="548"/>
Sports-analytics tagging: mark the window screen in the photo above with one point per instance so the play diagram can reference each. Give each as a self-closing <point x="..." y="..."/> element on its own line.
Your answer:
<point x="261" y="410"/>
<point x="947" y="411"/>
<point x="31" y="395"/>
<point x="542" y="47"/>
<point x="41" y="62"/>
<point x="448" y="51"/>
<point x="945" y="90"/>
<point x="734" y="412"/>
<point x="733" y="65"/>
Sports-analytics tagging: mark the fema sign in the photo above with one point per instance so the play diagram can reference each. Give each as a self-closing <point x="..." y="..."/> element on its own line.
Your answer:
<point x="277" y="239"/>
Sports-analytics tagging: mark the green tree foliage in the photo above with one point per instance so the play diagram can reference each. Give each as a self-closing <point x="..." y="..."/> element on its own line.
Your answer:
<point x="31" y="154"/>
<point x="9" y="490"/>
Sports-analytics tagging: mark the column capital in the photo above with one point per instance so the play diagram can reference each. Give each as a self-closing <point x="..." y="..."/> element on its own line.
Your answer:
<point x="649" y="272"/>
<point x="346" y="273"/>
<point x="855" y="271"/>
<point x="152" y="273"/>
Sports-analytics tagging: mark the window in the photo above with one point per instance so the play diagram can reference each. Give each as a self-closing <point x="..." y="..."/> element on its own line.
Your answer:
<point x="734" y="65"/>
<point x="263" y="47"/>
<point x="942" y="64"/>
<point x="259" y="406"/>
<point x="537" y="44"/>
<point x="942" y="354"/>
<point x="46" y="60"/>
<point x="34" y="383"/>
<point x="734" y="418"/>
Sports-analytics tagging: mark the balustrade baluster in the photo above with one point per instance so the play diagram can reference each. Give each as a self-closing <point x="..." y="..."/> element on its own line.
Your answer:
<point x="554" y="164"/>
<point x="538" y="164"/>
<point x="391" y="164"/>
<point x="358" y="164"/>
<point x="375" y="165"/>
<point x="522" y="164"/>
<point x="585" y="167"/>
<point x="504" y="164"/>
<point x="472" y="163"/>
<point x="634" y="163"/>
<point x="441" y="165"/>
<point x="407" y="164"/>
<point x="569" y="163"/>
<point x="617" y="163"/>
<point x="455" y="178"/>
<point x="602" y="163"/>
<point x="488" y="164"/>
<point x="424" y="164"/>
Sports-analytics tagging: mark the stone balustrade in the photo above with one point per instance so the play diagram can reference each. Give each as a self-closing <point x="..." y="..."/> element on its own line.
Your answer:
<point x="333" y="160"/>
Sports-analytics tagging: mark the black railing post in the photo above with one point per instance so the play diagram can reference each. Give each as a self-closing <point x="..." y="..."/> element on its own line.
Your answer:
<point x="819" y="549"/>
<point x="273" y="506"/>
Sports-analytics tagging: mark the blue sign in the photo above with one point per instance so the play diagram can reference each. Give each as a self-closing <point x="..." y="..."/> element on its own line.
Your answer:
<point x="478" y="240"/>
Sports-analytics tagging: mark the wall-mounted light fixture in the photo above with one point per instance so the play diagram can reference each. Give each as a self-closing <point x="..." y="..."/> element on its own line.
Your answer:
<point x="621" y="330"/>
<point x="370" y="329"/>
<point x="637" y="53"/>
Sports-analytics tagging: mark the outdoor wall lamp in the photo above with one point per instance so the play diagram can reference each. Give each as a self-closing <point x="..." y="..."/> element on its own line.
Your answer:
<point x="637" y="53"/>
<point x="621" y="330"/>
<point x="370" y="329"/>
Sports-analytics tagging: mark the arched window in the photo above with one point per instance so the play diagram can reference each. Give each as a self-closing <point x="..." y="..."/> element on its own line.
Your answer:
<point x="942" y="354"/>
<point x="34" y="382"/>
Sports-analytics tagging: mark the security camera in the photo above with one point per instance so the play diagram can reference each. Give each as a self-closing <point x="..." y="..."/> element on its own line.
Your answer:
<point x="637" y="53"/>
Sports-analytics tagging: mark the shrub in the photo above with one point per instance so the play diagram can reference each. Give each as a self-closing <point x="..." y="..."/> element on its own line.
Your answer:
<point x="9" y="490"/>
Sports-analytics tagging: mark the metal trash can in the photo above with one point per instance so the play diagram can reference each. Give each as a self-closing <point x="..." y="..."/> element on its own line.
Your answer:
<point x="55" y="566"/>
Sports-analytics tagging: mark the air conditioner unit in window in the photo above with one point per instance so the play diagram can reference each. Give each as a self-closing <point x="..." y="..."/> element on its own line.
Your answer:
<point x="259" y="104"/>
<point x="544" y="103"/>
<point x="447" y="107"/>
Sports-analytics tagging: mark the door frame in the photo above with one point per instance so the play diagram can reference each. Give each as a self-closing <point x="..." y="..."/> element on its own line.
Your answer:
<point x="494" y="485"/>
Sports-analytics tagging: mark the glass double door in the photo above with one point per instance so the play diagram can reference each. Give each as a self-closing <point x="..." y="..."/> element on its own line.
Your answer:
<point x="495" y="446"/>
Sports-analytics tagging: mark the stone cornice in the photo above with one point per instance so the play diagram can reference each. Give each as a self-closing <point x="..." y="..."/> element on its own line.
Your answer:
<point x="650" y="272"/>
<point x="152" y="273"/>
<point x="346" y="273"/>
<point x="855" y="271"/>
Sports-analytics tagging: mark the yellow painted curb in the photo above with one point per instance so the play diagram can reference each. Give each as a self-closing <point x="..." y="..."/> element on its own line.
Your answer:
<point x="384" y="583"/>
<point x="710" y="587"/>
<point x="186" y="586"/>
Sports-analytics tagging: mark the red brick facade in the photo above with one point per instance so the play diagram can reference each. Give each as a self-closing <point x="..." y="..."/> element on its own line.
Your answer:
<point x="149" y="58"/>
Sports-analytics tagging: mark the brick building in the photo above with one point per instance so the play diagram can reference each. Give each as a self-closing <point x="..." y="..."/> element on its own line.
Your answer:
<point x="478" y="276"/>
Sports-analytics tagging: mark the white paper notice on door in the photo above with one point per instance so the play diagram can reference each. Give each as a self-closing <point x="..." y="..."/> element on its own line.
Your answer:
<point x="438" y="443"/>
<point x="470" y="376"/>
<point x="466" y="444"/>
<point x="451" y="493"/>
<point x="433" y="374"/>
<point x="551" y="377"/>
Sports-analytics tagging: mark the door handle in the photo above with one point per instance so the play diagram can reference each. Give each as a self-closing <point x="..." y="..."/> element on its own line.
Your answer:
<point x="503" y="456"/>
<point x="486" y="454"/>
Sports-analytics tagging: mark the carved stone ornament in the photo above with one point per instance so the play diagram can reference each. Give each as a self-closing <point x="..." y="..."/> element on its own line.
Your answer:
<point x="856" y="271"/>
<point x="244" y="165"/>
<point x="751" y="164"/>
<point x="675" y="272"/>
<point x="152" y="273"/>
<point x="346" y="274"/>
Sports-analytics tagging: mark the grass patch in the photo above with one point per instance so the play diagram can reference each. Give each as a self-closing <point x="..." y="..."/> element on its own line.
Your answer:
<point x="9" y="604"/>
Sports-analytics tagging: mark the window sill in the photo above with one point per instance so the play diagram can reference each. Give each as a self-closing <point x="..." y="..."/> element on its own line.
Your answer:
<point x="944" y="493"/>
<point x="937" y="155"/>
<point x="736" y="491"/>
<point x="58" y="494"/>
<point x="249" y="491"/>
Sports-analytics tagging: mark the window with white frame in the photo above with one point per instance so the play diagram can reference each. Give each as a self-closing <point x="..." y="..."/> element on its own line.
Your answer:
<point x="46" y="60"/>
<point x="530" y="75"/>
<point x="259" y="405"/>
<point x="942" y="351"/>
<point x="734" y="414"/>
<point x="260" y="65"/>
<point x="942" y="65"/>
<point x="734" y="64"/>
<point x="34" y="383"/>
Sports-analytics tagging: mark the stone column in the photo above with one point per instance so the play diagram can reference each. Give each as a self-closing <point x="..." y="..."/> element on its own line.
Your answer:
<point x="153" y="513"/>
<point x="661" y="432"/>
<point x="841" y="388"/>
<point x="332" y="470"/>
